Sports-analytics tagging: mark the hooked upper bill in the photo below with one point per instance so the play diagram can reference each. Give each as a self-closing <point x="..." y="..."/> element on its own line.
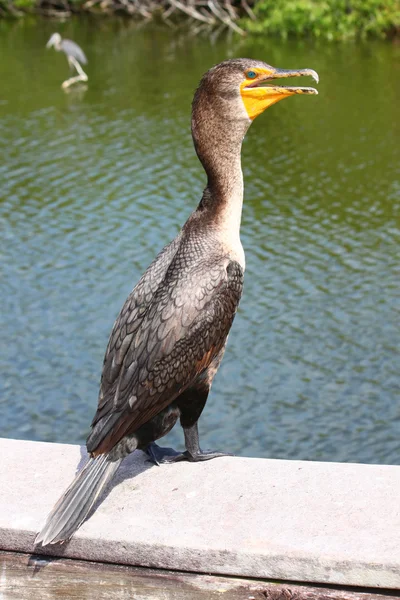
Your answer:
<point x="259" y="90"/>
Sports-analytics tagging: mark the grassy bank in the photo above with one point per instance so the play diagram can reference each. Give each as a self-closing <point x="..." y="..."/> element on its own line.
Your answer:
<point x="324" y="19"/>
<point x="327" y="19"/>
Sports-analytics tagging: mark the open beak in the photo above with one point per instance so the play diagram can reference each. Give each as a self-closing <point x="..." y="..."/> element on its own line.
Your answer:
<point x="261" y="93"/>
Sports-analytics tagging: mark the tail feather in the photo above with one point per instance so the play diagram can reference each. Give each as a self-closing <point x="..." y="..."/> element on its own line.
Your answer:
<point x="75" y="504"/>
<point x="76" y="499"/>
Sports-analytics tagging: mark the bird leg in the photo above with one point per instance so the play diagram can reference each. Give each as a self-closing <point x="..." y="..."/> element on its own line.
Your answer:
<point x="81" y="73"/>
<point x="193" y="451"/>
<point x="190" y="403"/>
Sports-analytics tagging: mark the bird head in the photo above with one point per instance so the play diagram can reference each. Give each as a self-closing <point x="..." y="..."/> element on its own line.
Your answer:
<point x="55" y="40"/>
<point x="245" y="87"/>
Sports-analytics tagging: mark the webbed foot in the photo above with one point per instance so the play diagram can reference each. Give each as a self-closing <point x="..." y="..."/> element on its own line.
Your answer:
<point x="203" y="455"/>
<point x="160" y="455"/>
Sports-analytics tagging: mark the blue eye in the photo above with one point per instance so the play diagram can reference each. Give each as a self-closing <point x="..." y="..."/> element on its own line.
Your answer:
<point x="251" y="74"/>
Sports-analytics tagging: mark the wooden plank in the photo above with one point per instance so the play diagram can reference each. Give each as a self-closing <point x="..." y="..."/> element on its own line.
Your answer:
<point x="31" y="577"/>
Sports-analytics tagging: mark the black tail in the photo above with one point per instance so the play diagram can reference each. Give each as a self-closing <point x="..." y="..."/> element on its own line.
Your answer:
<point x="74" y="505"/>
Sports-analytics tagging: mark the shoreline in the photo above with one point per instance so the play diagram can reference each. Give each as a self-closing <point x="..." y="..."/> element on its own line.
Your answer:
<point x="241" y="17"/>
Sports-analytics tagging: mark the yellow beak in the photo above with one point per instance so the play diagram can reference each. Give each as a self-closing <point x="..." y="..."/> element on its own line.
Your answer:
<point x="259" y="93"/>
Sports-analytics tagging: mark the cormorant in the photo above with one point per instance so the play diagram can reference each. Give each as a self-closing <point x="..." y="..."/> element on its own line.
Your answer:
<point x="169" y="338"/>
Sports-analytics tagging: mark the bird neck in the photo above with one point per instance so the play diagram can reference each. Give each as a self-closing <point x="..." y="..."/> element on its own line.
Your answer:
<point x="222" y="199"/>
<point x="217" y="137"/>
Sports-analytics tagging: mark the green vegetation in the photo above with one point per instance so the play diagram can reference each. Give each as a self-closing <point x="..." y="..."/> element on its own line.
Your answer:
<point x="327" y="19"/>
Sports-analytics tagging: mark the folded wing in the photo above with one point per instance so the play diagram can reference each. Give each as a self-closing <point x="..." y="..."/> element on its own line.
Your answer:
<point x="158" y="348"/>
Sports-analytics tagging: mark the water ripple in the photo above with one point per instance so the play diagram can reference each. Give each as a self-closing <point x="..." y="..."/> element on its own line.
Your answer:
<point x="93" y="186"/>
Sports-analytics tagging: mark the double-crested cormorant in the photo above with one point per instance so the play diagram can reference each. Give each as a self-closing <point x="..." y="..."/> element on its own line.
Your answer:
<point x="169" y="338"/>
<point x="75" y="56"/>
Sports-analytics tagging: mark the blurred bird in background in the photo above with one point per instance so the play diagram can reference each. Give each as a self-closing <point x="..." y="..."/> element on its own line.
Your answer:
<point x="75" y="56"/>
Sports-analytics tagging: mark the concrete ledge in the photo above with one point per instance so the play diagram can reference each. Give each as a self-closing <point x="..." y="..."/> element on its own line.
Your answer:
<point x="288" y="520"/>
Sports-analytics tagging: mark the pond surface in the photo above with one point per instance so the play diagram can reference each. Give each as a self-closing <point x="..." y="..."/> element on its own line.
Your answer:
<point x="94" y="183"/>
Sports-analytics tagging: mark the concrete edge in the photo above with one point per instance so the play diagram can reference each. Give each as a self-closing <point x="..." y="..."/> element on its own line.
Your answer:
<point x="281" y="529"/>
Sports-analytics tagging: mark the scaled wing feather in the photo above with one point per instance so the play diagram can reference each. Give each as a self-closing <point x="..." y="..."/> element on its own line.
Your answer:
<point x="152" y="359"/>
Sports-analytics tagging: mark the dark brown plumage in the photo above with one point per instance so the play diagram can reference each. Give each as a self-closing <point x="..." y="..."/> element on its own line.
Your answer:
<point x="169" y="338"/>
<point x="164" y="339"/>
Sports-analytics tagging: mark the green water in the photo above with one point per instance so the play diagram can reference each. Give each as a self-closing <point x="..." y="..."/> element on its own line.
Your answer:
<point x="94" y="183"/>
